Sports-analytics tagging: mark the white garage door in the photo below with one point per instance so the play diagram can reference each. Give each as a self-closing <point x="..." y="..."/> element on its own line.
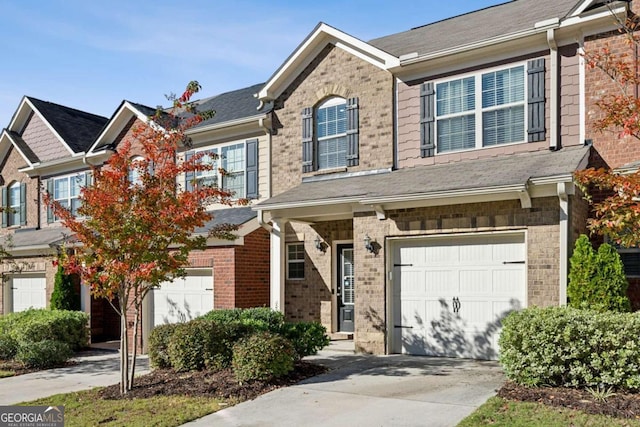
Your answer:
<point x="450" y="294"/>
<point x="28" y="292"/>
<point x="183" y="299"/>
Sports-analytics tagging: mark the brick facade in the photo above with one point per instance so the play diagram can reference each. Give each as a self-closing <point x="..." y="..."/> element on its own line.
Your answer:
<point x="334" y="72"/>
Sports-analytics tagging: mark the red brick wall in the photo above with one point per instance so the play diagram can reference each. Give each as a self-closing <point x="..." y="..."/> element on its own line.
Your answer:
<point x="252" y="270"/>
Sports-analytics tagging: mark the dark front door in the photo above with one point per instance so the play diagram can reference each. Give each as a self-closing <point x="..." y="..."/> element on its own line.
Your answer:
<point x="346" y="288"/>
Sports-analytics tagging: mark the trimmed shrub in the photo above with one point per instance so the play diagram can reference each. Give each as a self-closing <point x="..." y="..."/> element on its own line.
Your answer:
<point x="197" y="345"/>
<point x="596" y="279"/>
<point x="43" y="354"/>
<point x="64" y="296"/>
<point x="262" y="356"/>
<point x="34" y="325"/>
<point x="306" y="337"/>
<point x="563" y="346"/>
<point x="260" y="318"/>
<point x="8" y="347"/>
<point x="159" y="345"/>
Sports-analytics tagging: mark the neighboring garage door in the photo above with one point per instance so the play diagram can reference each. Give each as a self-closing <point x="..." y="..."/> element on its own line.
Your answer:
<point x="450" y="294"/>
<point x="183" y="299"/>
<point x="28" y="292"/>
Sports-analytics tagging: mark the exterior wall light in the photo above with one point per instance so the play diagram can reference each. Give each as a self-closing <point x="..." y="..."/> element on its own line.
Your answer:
<point x="368" y="245"/>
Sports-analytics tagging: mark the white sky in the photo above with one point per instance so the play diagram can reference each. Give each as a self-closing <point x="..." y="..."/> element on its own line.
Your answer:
<point x="91" y="55"/>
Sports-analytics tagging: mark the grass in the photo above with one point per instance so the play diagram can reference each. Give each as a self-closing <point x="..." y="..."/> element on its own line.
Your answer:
<point x="86" y="408"/>
<point x="500" y="412"/>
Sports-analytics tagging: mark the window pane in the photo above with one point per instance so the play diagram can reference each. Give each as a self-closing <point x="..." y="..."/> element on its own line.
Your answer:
<point x="208" y="177"/>
<point x="331" y="120"/>
<point x="234" y="183"/>
<point x="503" y="126"/>
<point x="61" y="189"/>
<point x="295" y="261"/>
<point x="457" y="133"/>
<point x="14" y="195"/>
<point x="503" y="87"/>
<point x="456" y="96"/>
<point x="332" y="153"/>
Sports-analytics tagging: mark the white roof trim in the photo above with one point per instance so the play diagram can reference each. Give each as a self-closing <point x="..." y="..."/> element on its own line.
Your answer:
<point x="8" y="136"/>
<point x="126" y="105"/>
<point x="322" y="35"/>
<point x="584" y="5"/>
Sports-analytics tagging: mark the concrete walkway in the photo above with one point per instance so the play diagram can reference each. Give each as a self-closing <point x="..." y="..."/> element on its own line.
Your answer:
<point x="94" y="369"/>
<point x="363" y="390"/>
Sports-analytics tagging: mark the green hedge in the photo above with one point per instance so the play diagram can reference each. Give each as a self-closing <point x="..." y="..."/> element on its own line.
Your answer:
<point x="43" y="354"/>
<point x="34" y="325"/>
<point x="159" y="345"/>
<point x="262" y="356"/>
<point x="563" y="346"/>
<point x="261" y="318"/>
<point x="306" y="337"/>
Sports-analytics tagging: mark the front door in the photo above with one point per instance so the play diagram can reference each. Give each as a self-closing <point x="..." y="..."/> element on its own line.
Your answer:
<point x="346" y="288"/>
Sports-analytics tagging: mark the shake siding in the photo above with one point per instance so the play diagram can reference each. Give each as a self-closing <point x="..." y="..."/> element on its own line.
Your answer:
<point x="42" y="141"/>
<point x="9" y="172"/>
<point x="408" y="105"/>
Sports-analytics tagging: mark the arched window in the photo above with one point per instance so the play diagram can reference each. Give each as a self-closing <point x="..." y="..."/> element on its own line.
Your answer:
<point x="331" y="133"/>
<point x="134" y="176"/>
<point x="14" y="217"/>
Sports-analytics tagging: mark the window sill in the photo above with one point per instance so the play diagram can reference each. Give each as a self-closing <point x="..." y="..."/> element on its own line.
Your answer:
<point x="329" y="171"/>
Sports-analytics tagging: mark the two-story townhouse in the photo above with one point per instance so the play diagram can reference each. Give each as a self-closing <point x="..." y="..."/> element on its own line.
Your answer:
<point x="227" y="274"/>
<point x="423" y="184"/>
<point x="42" y="148"/>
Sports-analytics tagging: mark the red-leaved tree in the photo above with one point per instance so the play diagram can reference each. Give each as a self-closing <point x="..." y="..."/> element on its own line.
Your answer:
<point x="617" y="208"/>
<point x="136" y="224"/>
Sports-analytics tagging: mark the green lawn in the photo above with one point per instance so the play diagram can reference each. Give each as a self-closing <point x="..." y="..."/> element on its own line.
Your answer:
<point x="86" y="408"/>
<point x="500" y="412"/>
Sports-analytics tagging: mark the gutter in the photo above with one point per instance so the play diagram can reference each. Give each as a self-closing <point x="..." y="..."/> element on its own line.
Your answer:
<point x="246" y="120"/>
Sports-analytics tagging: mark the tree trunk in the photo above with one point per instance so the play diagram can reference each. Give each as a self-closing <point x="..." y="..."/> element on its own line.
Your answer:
<point x="135" y="345"/>
<point x="124" y="352"/>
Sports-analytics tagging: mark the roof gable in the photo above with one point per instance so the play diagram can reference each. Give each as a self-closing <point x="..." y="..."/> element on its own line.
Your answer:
<point x="311" y="46"/>
<point x="118" y="122"/>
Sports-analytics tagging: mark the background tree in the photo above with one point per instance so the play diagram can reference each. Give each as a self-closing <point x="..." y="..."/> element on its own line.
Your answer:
<point x="136" y="235"/>
<point x="64" y="296"/>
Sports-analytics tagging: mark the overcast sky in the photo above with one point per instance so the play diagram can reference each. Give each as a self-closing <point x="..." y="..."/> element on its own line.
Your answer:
<point x="91" y="55"/>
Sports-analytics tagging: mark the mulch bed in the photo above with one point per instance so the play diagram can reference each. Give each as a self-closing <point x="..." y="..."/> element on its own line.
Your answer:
<point x="221" y="384"/>
<point x="620" y="405"/>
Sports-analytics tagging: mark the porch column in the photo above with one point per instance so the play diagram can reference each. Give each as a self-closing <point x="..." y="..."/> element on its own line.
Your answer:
<point x="85" y="298"/>
<point x="564" y="190"/>
<point x="277" y="264"/>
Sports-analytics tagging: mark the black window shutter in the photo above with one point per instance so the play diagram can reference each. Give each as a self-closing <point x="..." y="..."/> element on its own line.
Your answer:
<point x="536" y="100"/>
<point x="190" y="175"/>
<point x="352" y="132"/>
<point x="307" y="140"/>
<point x="427" y="120"/>
<point x="252" y="169"/>
<point x="50" y="191"/>
<point x="23" y="203"/>
<point x="5" y="207"/>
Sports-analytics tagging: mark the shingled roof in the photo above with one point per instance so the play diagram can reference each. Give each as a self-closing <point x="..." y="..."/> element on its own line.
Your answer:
<point x="23" y="146"/>
<point x="234" y="105"/>
<point x="500" y="20"/>
<point x="494" y="172"/>
<point x="78" y="129"/>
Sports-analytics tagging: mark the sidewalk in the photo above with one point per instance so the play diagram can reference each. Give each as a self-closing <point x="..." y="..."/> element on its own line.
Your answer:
<point x="95" y="368"/>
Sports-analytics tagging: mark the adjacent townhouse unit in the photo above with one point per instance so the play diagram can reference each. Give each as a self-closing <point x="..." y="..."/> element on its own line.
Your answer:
<point x="226" y="274"/>
<point x="422" y="187"/>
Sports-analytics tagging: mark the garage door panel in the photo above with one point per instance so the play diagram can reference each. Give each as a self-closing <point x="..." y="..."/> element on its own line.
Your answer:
<point x="183" y="299"/>
<point x="469" y="270"/>
<point x="28" y="292"/>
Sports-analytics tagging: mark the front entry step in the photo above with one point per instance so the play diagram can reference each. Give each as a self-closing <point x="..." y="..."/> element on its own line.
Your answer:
<point x="338" y="336"/>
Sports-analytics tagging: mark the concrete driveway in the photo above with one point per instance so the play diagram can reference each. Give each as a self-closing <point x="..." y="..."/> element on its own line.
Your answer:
<point x="369" y="391"/>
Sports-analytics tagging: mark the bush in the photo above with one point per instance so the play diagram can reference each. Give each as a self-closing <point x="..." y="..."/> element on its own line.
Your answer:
<point x="260" y="318"/>
<point x="559" y="346"/>
<point x="306" y="337"/>
<point x="64" y="296"/>
<point x="596" y="279"/>
<point x="262" y="356"/>
<point x="8" y="347"/>
<point x="34" y="325"/>
<point x="43" y="354"/>
<point x="199" y="344"/>
<point x="159" y="345"/>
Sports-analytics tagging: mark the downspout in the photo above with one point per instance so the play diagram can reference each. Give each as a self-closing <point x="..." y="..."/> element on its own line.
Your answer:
<point x="564" y="190"/>
<point x="553" y="91"/>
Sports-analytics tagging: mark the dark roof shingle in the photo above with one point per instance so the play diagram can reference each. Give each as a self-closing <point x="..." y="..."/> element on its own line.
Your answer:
<point x="78" y="129"/>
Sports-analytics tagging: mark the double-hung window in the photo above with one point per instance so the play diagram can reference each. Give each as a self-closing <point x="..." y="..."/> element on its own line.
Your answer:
<point x="489" y="108"/>
<point x="239" y="164"/>
<point x="14" y="204"/>
<point x="66" y="191"/>
<point x="331" y="131"/>
<point x="295" y="261"/>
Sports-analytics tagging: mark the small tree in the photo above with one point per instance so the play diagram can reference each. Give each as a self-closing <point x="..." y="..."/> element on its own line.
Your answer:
<point x="64" y="296"/>
<point x="138" y="232"/>
<point x="596" y="278"/>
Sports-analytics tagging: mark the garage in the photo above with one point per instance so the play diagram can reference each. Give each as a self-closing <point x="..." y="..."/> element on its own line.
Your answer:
<point x="184" y="298"/>
<point x="450" y="294"/>
<point x="28" y="292"/>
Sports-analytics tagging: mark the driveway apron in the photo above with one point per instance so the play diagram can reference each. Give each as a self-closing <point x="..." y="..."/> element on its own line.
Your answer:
<point x="362" y="390"/>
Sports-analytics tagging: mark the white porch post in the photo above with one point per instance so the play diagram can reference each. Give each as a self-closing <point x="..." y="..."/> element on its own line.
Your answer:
<point x="278" y="271"/>
<point x="564" y="190"/>
<point x="85" y="298"/>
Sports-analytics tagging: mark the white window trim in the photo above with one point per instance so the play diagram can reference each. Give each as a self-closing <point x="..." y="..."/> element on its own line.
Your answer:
<point x="69" y="198"/>
<point x="330" y="102"/>
<point x="477" y="75"/>
<point x="219" y="178"/>
<point x="294" y="261"/>
<point x="14" y="208"/>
